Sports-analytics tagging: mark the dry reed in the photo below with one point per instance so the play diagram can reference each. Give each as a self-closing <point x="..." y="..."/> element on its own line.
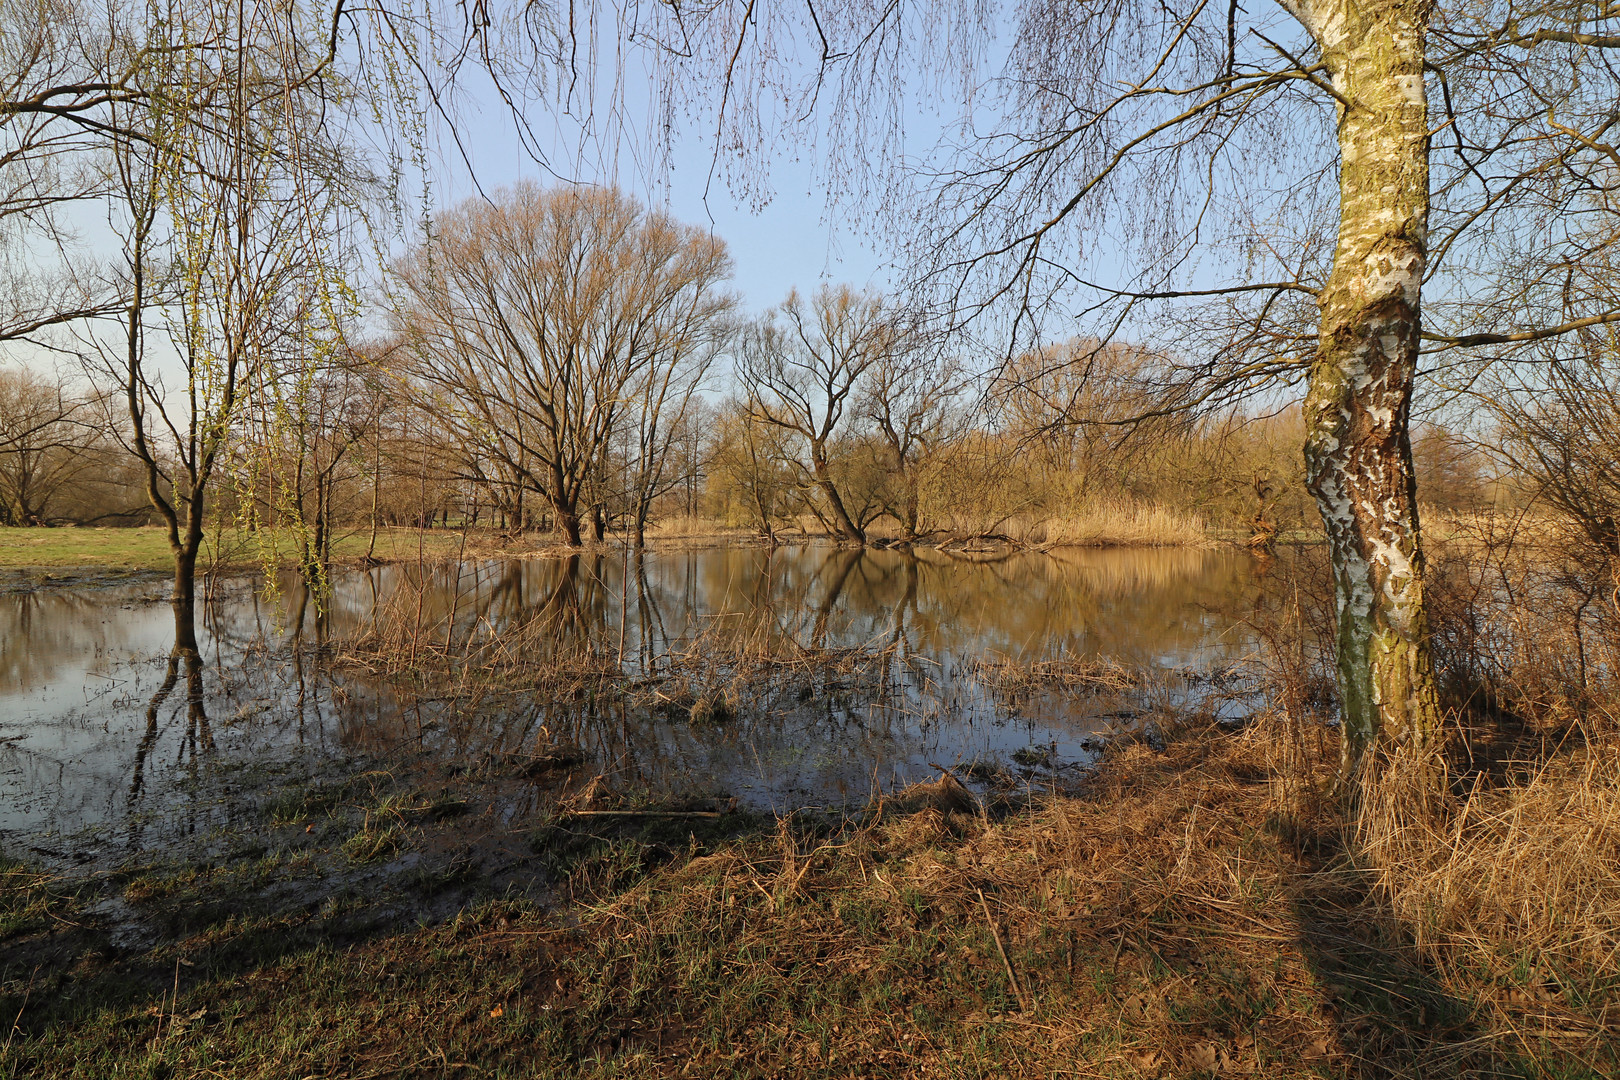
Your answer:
<point x="1111" y="523"/>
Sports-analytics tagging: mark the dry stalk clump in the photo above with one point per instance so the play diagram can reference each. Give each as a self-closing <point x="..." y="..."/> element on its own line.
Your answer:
<point x="1518" y="878"/>
<point x="1101" y="523"/>
<point x="1010" y="675"/>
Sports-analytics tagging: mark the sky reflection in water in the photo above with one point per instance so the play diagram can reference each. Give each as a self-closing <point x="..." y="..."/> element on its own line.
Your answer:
<point x="81" y="747"/>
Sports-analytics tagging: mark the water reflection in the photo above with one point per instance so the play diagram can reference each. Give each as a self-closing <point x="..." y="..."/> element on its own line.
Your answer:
<point x="104" y="721"/>
<point x="1141" y="606"/>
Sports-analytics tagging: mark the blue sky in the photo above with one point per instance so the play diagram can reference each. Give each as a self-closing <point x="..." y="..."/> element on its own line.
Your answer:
<point x="792" y="241"/>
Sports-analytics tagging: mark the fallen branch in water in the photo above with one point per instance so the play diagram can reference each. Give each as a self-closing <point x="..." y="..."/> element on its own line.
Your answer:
<point x="649" y="813"/>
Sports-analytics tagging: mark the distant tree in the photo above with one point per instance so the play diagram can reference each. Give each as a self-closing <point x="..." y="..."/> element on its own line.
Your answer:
<point x="1558" y="428"/>
<point x="543" y="324"/>
<point x="911" y="402"/>
<point x="303" y="448"/>
<point x="803" y="368"/>
<point x="747" y="471"/>
<point x="54" y="441"/>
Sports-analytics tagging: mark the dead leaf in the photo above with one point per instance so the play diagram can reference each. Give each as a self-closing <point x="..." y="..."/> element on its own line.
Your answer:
<point x="1206" y="1057"/>
<point x="1136" y="1007"/>
<point x="1318" y="1048"/>
<point x="1243" y="1041"/>
<point x="1147" y="1061"/>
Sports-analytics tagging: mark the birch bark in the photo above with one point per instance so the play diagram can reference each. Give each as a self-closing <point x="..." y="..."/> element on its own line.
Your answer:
<point x="1358" y="455"/>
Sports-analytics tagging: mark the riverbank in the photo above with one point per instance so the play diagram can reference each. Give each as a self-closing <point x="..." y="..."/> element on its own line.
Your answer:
<point x="67" y="553"/>
<point x="1188" y="914"/>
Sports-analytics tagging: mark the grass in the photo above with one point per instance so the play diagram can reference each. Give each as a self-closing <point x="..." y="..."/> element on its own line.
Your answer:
<point x="118" y="549"/>
<point x="1181" y="919"/>
<point x="146" y="549"/>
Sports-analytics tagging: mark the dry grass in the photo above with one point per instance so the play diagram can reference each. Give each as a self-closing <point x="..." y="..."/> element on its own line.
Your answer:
<point x="1077" y="674"/>
<point x="1186" y="916"/>
<point x="1517" y="880"/>
<point x="1181" y="919"/>
<point x="1097" y="524"/>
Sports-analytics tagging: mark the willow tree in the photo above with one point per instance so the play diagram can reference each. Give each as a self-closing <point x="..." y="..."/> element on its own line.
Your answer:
<point x="234" y="183"/>
<point x="545" y="324"/>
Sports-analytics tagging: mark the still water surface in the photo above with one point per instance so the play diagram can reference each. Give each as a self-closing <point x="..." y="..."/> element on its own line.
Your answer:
<point x="95" y="756"/>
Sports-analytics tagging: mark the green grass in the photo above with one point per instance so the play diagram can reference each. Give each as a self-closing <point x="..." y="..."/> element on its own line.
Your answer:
<point x="70" y="548"/>
<point x="146" y="548"/>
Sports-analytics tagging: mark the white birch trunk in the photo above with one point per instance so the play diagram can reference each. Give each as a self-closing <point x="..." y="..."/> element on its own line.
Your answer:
<point x="1358" y="456"/>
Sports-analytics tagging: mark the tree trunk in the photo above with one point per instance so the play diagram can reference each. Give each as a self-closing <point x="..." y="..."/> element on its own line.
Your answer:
<point x="847" y="528"/>
<point x="1358" y="456"/>
<point x="568" y="522"/>
<point x="184" y="600"/>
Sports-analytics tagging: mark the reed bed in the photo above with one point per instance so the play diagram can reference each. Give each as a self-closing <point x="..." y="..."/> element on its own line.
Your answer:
<point x="1105" y="523"/>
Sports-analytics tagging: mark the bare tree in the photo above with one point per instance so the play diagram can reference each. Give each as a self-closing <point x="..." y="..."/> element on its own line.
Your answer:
<point x="62" y="65"/>
<point x="1558" y="428"/>
<point x="803" y="368"/>
<point x="662" y="403"/>
<point x="1087" y="410"/>
<point x="545" y="321"/>
<point x="302" y="445"/>
<point x="53" y="441"/>
<point x="910" y="400"/>
<point x="747" y="460"/>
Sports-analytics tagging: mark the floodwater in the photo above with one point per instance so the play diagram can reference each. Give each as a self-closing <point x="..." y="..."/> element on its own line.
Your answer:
<point x="845" y="673"/>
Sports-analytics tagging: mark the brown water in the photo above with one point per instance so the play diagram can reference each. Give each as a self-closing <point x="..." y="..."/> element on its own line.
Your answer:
<point x="100" y="752"/>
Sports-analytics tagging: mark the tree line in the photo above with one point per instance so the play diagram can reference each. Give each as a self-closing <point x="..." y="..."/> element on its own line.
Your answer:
<point x="568" y="361"/>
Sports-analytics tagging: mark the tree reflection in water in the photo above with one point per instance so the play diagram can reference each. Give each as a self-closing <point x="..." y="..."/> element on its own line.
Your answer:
<point x="840" y="663"/>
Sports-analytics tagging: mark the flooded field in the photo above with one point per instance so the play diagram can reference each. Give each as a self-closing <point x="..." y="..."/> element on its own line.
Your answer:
<point x="807" y="676"/>
<point x="432" y="734"/>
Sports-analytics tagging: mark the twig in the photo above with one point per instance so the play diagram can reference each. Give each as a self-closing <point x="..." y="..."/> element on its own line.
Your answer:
<point x="1018" y="991"/>
<point x="17" y="1020"/>
<point x="647" y="813"/>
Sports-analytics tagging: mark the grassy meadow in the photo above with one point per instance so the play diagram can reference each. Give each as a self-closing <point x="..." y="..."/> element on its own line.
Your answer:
<point x="146" y="548"/>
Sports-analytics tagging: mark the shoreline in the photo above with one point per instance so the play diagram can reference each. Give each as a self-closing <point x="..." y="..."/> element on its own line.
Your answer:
<point x="1179" y="917"/>
<point x="67" y="556"/>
